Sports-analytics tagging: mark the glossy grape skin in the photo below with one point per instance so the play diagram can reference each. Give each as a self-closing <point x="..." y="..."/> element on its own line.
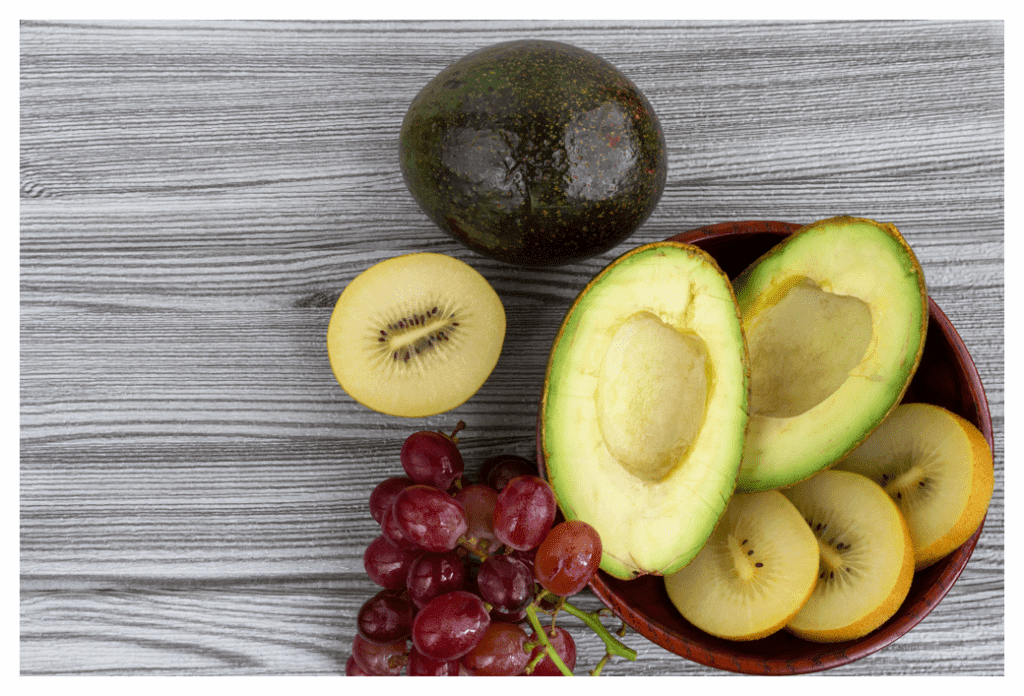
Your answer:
<point x="568" y="558"/>
<point x="434" y="574"/>
<point x="526" y="557"/>
<point x="450" y="625"/>
<point x="505" y="583"/>
<point x="386" y="617"/>
<point x="386" y="564"/>
<point x="383" y="495"/>
<point x="497" y="615"/>
<point x="429" y="518"/>
<point x="524" y="512"/>
<point x="432" y="458"/>
<point x="352" y="668"/>
<point x="390" y="530"/>
<point x="478" y="501"/>
<point x="375" y="659"/>
<point x="500" y="653"/>
<point x="421" y="666"/>
<point x="499" y="470"/>
<point x="563" y="644"/>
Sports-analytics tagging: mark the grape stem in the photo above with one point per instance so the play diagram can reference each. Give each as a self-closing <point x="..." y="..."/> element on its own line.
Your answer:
<point x="612" y="645"/>
<point x="542" y="636"/>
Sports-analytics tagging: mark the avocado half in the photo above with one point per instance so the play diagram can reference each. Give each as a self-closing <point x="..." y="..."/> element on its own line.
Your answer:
<point x="645" y="405"/>
<point x="535" y="153"/>
<point x="835" y="318"/>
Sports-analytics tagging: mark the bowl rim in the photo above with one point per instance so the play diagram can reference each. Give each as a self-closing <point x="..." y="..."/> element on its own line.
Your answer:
<point x="830" y="655"/>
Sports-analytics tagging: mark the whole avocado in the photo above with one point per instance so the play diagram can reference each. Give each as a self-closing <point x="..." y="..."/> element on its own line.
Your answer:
<point x="535" y="153"/>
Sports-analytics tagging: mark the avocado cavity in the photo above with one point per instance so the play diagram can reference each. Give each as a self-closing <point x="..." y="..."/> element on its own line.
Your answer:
<point x="835" y="318"/>
<point x="804" y="347"/>
<point x="651" y="395"/>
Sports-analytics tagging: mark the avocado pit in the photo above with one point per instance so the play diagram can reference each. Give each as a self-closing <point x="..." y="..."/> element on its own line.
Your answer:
<point x="652" y="394"/>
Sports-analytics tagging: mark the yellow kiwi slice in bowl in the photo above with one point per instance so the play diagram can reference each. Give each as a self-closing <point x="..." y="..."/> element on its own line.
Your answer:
<point x="754" y="573"/>
<point x="937" y="468"/>
<point x="415" y="335"/>
<point x="866" y="558"/>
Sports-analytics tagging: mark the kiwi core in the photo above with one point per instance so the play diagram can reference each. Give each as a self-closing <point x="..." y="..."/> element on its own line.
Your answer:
<point x="652" y="395"/>
<point x="741" y="559"/>
<point x="804" y="346"/>
<point x="410" y="334"/>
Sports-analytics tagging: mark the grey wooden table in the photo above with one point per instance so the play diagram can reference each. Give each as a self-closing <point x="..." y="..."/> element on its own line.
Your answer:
<point x="194" y="197"/>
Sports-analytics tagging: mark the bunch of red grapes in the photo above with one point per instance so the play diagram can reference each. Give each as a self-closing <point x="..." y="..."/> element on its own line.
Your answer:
<point x="465" y="566"/>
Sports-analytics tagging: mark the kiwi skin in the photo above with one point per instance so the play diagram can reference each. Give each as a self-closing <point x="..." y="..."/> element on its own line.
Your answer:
<point x="982" y="485"/>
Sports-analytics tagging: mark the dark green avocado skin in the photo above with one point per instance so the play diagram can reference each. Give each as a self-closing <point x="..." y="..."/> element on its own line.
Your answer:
<point x="535" y="153"/>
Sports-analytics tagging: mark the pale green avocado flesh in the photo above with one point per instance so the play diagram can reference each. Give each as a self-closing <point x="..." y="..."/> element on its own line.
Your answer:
<point x="835" y="318"/>
<point x="645" y="407"/>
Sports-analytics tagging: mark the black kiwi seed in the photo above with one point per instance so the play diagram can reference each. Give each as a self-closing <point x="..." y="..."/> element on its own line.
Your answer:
<point x="759" y="565"/>
<point x="396" y="328"/>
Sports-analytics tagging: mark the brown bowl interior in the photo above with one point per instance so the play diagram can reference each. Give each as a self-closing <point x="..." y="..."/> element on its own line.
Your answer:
<point x="946" y="377"/>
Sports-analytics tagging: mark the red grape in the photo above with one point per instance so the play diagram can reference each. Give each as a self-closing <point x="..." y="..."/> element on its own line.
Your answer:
<point x="568" y="558"/>
<point x="386" y="617"/>
<point x="563" y="644"/>
<point x="352" y="668"/>
<point x="386" y="564"/>
<point x="429" y="518"/>
<point x="524" y="512"/>
<point x="499" y="470"/>
<point x="376" y="660"/>
<point x="508" y="617"/>
<point x="505" y="583"/>
<point x="432" y="458"/>
<point x="500" y="653"/>
<point x="435" y="574"/>
<point x="525" y="557"/>
<point x="478" y="501"/>
<point x="383" y="496"/>
<point x="450" y="625"/>
<point x="391" y="531"/>
<point x="421" y="666"/>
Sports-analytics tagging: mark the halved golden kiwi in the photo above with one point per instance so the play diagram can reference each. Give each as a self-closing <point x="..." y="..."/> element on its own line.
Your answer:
<point x="866" y="557"/>
<point x="756" y="571"/>
<point x="937" y="468"/>
<point x="415" y="335"/>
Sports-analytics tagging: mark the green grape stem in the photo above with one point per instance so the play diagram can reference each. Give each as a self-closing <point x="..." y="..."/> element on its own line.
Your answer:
<point x="542" y="636"/>
<point x="612" y="645"/>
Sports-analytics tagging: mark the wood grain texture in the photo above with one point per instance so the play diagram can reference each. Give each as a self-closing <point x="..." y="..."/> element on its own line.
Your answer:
<point x="194" y="197"/>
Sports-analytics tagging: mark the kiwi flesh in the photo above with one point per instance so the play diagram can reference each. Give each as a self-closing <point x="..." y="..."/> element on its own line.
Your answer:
<point x="415" y="335"/>
<point x="866" y="559"/>
<point x="937" y="468"/>
<point x="756" y="571"/>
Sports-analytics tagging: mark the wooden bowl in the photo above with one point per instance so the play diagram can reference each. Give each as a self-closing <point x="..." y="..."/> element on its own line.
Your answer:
<point x="946" y="377"/>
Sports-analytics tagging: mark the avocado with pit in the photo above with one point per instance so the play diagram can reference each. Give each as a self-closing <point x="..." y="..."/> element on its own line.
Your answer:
<point x="534" y="153"/>
<point x="644" y="407"/>
<point x="835" y="318"/>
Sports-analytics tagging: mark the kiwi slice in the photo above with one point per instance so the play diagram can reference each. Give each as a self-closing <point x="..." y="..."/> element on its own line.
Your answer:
<point x="866" y="557"/>
<point x="937" y="468"/>
<point x="755" y="572"/>
<point x="415" y="335"/>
